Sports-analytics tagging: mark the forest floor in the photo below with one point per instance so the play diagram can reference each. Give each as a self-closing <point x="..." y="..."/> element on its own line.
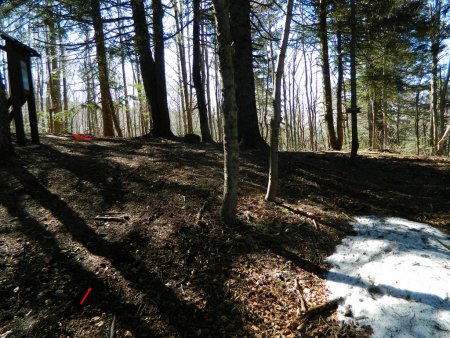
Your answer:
<point x="136" y="222"/>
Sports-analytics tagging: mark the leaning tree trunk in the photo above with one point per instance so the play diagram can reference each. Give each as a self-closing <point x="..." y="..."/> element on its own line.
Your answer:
<point x="249" y="134"/>
<point x="229" y="108"/>
<point x="6" y="147"/>
<point x="326" y="77"/>
<point x="197" y="77"/>
<point x="273" y="186"/>
<point x="442" y="141"/>
<point x="103" y="75"/>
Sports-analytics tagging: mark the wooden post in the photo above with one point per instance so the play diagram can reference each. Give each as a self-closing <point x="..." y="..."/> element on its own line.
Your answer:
<point x="32" y="108"/>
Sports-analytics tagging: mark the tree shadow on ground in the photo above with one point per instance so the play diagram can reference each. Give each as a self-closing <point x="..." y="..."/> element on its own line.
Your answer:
<point x="176" y="284"/>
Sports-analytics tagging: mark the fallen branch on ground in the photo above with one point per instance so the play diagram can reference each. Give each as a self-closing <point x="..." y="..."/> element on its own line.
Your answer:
<point x="323" y="310"/>
<point x="120" y="219"/>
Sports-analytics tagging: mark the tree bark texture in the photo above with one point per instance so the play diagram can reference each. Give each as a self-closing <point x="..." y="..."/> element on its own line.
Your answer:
<point x="229" y="108"/>
<point x="161" y="125"/>
<point x="249" y="134"/>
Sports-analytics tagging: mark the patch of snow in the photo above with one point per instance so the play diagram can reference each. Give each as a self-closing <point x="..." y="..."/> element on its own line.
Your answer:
<point x="395" y="276"/>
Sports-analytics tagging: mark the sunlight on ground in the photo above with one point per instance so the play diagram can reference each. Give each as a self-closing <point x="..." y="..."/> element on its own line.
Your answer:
<point x="395" y="277"/>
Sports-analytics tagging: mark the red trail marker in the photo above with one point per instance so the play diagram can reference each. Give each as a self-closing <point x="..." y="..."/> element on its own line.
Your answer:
<point x="85" y="296"/>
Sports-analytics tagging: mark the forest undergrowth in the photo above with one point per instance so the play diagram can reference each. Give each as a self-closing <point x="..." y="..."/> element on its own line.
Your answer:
<point x="136" y="221"/>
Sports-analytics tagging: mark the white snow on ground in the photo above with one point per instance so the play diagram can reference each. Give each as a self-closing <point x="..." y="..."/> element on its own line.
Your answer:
<point x="395" y="276"/>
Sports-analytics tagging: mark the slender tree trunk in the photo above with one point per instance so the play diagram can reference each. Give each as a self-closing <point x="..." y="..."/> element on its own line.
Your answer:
<point x="183" y="97"/>
<point x="126" y="102"/>
<point x="326" y="77"/>
<point x="308" y="101"/>
<point x="229" y="108"/>
<point x="103" y="76"/>
<point x="354" y="102"/>
<point x="340" y="81"/>
<point x="125" y="94"/>
<point x="65" y="97"/>
<point x="197" y="76"/>
<point x="273" y="186"/>
<point x="54" y="78"/>
<point x="217" y="97"/>
<point x="206" y="76"/>
<point x="249" y="134"/>
<point x="443" y="101"/>
<point x="435" y="44"/>
<point x="182" y="58"/>
<point x="416" y="122"/>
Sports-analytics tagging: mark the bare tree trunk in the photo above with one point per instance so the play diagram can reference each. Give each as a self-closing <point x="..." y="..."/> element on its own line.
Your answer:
<point x="217" y="96"/>
<point x="340" y="81"/>
<point x="103" y="75"/>
<point x="153" y="71"/>
<point x="435" y="45"/>
<point x="229" y="107"/>
<point x="161" y="126"/>
<point x="182" y="58"/>
<point x="124" y="81"/>
<point x="354" y="102"/>
<point x="65" y="95"/>
<point x="197" y="76"/>
<point x="416" y="122"/>
<point x="54" y="78"/>
<point x="249" y="134"/>
<point x="273" y="186"/>
<point x="443" y="101"/>
<point x="308" y="101"/>
<point x="326" y="76"/>
<point x="206" y="72"/>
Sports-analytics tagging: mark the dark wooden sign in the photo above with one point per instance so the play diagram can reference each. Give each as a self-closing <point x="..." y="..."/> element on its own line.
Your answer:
<point x="21" y="86"/>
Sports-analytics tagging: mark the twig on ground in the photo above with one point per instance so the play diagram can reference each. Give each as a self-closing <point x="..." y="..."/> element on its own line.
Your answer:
<point x="303" y="305"/>
<point x="112" y="330"/>
<point x="320" y="310"/>
<point x="121" y="219"/>
<point x="202" y="211"/>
